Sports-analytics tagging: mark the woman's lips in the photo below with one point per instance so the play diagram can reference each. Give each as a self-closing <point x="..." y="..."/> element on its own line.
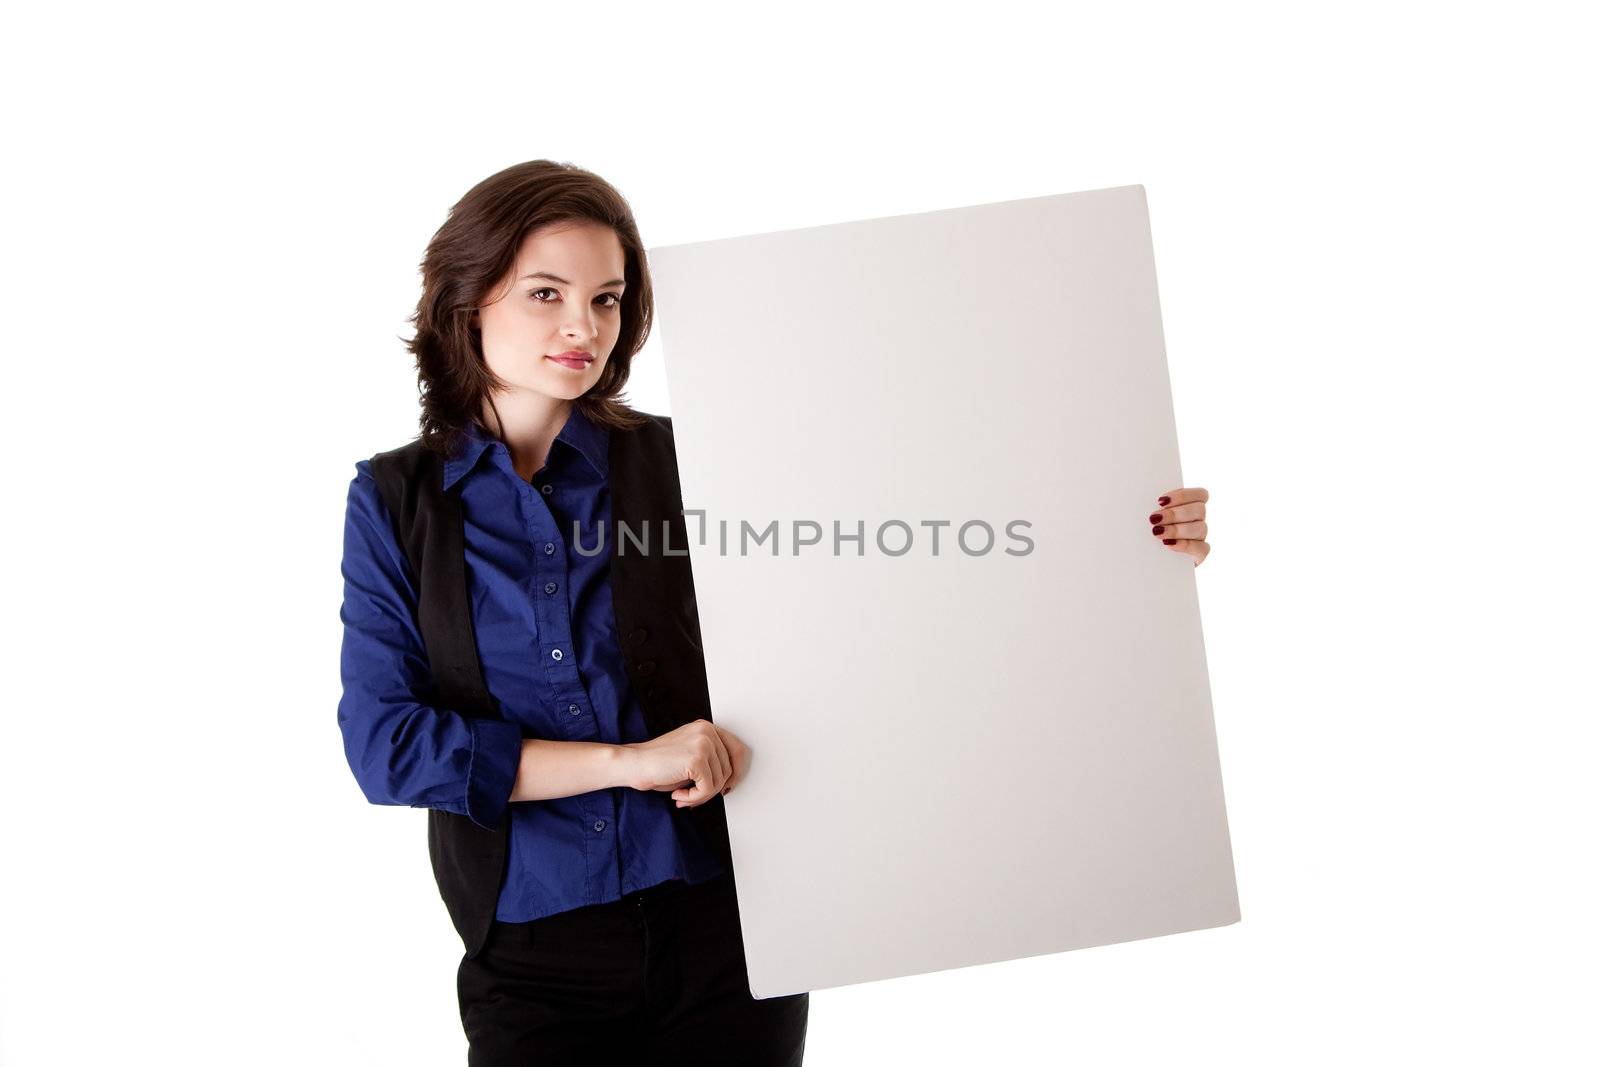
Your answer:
<point x="574" y="362"/>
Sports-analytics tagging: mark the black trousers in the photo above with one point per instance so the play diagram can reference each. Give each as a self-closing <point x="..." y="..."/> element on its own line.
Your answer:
<point x="657" y="977"/>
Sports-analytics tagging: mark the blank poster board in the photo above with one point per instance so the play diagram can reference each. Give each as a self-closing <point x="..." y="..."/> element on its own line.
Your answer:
<point x="968" y="746"/>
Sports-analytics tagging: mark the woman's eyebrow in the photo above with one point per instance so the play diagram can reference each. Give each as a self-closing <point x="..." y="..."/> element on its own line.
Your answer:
<point x="563" y="281"/>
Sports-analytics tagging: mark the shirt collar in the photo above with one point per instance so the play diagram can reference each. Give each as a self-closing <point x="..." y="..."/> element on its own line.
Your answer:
<point x="590" y="440"/>
<point x="579" y="433"/>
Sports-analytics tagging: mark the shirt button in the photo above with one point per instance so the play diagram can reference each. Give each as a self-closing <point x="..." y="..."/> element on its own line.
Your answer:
<point x="555" y="653"/>
<point x="599" y="824"/>
<point x="574" y="709"/>
<point x="549" y="587"/>
<point x="545" y="489"/>
<point x="549" y="549"/>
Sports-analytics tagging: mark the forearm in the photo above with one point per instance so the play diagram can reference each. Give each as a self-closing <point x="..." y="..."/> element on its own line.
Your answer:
<point x="552" y="769"/>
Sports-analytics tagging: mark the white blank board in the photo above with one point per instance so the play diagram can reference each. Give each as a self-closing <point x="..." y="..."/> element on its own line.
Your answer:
<point x="959" y="756"/>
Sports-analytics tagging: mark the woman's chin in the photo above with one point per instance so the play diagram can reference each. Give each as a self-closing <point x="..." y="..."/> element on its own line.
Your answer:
<point x="565" y="386"/>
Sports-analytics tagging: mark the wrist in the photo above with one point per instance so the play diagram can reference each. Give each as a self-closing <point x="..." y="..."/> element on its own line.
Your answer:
<point x="619" y="764"/>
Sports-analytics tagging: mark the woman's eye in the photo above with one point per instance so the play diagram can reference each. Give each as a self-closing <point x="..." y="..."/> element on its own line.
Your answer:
<point x="547" y="289"/>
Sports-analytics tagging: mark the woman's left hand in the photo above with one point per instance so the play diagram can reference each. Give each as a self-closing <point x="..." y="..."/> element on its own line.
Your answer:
<point x="1181" y="522"/>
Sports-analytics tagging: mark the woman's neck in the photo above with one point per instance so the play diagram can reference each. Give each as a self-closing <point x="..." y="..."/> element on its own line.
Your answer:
<point x="530" y="426"/>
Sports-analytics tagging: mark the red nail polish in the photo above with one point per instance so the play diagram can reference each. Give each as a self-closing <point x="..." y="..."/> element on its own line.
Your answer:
<point x="1165" y="501"/>
<point x="1169" y="540"/>
<point x="1158" y="530"/>
<point x="1156" y="517"/>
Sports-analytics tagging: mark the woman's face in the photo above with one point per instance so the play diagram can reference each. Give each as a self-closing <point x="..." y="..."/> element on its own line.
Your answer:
<point x="563" y="296"/>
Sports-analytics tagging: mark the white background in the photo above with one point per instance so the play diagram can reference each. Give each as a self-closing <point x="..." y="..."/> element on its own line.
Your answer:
<point x="1375" y="233"/>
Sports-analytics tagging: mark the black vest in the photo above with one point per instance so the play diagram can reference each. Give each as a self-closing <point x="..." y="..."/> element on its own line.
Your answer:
<point x="658" y="626"/>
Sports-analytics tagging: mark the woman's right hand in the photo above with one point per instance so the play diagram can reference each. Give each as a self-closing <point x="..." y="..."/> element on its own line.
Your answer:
<point x="696" y="761"/>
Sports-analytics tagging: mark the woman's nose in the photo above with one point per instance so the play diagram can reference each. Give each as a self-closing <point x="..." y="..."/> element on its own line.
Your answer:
<point x="583" y="326"/>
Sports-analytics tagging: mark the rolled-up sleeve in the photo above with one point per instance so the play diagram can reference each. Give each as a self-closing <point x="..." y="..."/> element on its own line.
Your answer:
<point x="402" y="749"/>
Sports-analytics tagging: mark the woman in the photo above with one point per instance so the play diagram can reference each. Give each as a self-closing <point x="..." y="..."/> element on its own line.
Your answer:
<point x="543" y="698"/>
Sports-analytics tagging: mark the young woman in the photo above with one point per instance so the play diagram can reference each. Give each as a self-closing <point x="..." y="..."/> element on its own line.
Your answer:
<point x="542" y="695"/>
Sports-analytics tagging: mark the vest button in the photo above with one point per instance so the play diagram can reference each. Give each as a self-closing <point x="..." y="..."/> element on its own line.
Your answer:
<point x="647" y="668"/>
<point x="545" y="489"/>
<point x="639" y="636"/>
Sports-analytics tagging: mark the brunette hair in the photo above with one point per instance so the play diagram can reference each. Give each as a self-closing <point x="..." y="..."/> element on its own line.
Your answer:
<point x="473" y="250"/>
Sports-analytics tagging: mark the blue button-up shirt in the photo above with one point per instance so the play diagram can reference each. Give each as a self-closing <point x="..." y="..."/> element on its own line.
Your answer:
<point x="547" y="643"/>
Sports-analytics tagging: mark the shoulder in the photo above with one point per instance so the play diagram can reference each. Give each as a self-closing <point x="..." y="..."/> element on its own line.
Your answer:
<point x="410" y="456"/>
<point x="408" y="472"/>
<point x="384" y="480"/>
<point x="653" y="425"/>
<point x="650" y="438"/>
<point x="367" y="487"/>
<point x="366" y="515"/>
<point x="373" y="556"/>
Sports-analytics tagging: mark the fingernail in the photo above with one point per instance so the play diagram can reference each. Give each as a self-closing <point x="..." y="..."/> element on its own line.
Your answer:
<point x="1157" y="529"/>
<point x="1169" y="540"/>
<point x="1156" y="517"/>
<point x="1164" y="501"/>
